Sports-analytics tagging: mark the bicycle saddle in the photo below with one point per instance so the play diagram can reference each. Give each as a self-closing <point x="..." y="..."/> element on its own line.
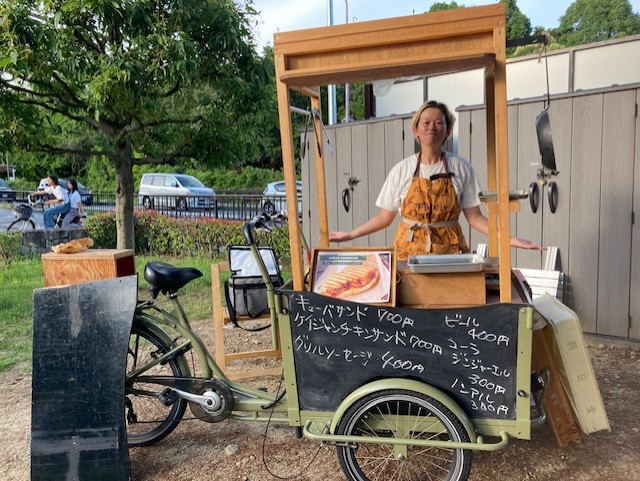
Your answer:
<point x="168" y="279"/>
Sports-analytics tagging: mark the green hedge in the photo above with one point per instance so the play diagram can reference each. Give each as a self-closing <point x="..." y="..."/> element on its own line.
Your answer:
<point x="156" y="234"/>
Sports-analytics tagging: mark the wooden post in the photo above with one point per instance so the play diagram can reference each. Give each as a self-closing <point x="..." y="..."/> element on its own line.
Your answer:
<point x="502" y="164"/>
<point x="289" y="167"/>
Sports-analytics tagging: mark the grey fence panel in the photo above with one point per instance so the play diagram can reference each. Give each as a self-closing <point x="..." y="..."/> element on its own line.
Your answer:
<point x="585" y="209"/>
<point x="394" y="144"/>
<point x="360" y="170"/>
<point x="555" y="227"/>
<point x="478" y="158"/>
<point x="529" y="224"/>
<point x="376" y="142"/>
<point x="344" y="171"/>
<point x="634" y="308"/>
<point x="618" y="131"/>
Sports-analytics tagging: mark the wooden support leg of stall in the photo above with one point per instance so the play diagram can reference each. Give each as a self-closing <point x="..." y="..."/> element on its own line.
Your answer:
<point x="559" y="414"/>
<point x="220" y="318"/>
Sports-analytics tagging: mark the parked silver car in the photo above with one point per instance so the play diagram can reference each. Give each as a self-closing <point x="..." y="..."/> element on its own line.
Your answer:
<point x="274" y="197"/>
<point x="178" y="191"/>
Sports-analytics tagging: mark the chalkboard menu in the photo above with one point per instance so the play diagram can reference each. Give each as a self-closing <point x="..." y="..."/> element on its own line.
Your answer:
<point x="469" y="353"/>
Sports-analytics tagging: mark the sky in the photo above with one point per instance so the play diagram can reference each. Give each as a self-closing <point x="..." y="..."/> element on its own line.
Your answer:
<point x="284" y="15"/>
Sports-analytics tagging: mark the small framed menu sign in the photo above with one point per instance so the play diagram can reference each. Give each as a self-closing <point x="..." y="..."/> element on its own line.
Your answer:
<point x="365" y="274"/>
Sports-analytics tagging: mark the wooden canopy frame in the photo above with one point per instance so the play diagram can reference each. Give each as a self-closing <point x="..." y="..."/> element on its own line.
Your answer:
<point x="426" y="44"/>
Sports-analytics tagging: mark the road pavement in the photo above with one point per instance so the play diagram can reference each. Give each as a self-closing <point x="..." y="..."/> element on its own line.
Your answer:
<point x="7" y="217"/>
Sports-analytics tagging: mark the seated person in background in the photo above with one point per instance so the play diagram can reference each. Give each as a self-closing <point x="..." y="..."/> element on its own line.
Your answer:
<point x="58" y="205"/>
<point x="430" y="189"/>
<point x="75" y="203"/>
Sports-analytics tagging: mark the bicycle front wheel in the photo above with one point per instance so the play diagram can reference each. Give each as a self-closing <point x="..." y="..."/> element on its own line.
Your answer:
<point x="21" y="225"/>
<point x="408" y="415"/>
<point x="151" y="414"/>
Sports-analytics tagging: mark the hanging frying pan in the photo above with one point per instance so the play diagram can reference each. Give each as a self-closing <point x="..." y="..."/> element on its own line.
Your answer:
<point x="545" y="142"/>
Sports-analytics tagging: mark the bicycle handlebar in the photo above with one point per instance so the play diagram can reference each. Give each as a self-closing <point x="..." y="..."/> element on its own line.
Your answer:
<point x="263" y="221"/>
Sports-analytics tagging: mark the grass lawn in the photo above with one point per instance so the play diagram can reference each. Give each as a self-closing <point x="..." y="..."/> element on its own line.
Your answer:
<point x="23" y="276"/>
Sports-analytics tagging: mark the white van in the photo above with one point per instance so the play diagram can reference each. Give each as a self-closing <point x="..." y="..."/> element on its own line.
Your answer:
<point x="174" y="190"/>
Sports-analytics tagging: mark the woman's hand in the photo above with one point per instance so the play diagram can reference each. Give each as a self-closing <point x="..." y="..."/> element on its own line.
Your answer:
<point x="337" y="236"/>
<point x="525" y="244"/>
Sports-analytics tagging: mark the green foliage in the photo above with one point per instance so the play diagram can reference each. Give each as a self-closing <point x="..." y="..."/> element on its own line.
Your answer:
<point x="165" y="236"/>
<point x="587" y="21"/>
<point x="10" y="245"/>
<point x="442" y="6"/>
<point x="249" y="178"/>
<point x="518" y="24"/>
<point x="136" y="82"/>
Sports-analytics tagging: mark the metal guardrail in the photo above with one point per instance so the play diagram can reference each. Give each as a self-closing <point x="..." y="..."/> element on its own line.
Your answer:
<point x="219" y="206"/>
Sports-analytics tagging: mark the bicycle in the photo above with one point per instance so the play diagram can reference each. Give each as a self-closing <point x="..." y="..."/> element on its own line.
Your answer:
<point x="385" y="428"/>
<point x="26" y="220"/>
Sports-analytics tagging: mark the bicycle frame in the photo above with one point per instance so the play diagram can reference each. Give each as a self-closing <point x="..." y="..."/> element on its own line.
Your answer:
<point x="246" y="399"/>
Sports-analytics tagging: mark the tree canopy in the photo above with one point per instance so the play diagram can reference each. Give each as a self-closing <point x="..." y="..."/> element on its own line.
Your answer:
<point x="587" y="21"/>
<point x="150" y="81"/>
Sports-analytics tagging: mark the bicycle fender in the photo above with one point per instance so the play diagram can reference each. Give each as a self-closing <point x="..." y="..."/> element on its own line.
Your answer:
<point x="409" y="385"/>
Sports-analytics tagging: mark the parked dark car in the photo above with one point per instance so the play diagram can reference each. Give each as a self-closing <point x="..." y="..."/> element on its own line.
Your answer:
<point x="85" y="194"/>
<point x="6" y="193"/>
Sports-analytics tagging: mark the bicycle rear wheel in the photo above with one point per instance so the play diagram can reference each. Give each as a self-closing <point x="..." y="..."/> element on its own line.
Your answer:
<point x="21" y="225"/>
<point x="150" y="416"/>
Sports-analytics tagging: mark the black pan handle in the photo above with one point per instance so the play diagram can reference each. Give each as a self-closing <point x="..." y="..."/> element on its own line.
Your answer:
<point x="346" y="199"/>
<point x="534" y="196"/>
<point x="553" y="197"/>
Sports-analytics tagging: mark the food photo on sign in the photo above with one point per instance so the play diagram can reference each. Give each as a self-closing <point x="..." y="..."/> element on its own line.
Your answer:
<point x="358" y="275"/>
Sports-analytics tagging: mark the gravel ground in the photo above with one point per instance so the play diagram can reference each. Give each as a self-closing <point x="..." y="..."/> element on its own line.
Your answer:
<point x="233" y="450"/>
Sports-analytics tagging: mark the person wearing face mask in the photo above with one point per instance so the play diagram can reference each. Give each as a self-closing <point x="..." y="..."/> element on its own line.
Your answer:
<point x="429" y="189"/>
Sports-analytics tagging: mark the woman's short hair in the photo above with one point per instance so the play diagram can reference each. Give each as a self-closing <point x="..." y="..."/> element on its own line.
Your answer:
<point x="434" y="104"/>
<point x="54" y="178"/>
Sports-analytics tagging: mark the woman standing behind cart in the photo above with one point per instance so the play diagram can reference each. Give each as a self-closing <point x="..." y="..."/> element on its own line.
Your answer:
<point x="430" y="189"/>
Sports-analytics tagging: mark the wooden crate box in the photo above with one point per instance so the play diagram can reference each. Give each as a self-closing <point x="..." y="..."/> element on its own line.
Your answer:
<point x="90" y="265"/>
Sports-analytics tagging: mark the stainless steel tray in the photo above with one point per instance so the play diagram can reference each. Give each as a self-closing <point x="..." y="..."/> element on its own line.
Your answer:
<point x="446" y="263"/>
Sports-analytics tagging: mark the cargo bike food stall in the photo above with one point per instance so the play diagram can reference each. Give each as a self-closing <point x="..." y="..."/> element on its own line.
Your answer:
<point x="403" y="391"/>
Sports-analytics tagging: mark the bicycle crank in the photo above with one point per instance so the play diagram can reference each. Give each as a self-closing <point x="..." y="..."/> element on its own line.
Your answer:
<point x="210" y="400"/>
<point x="214" y="402"/>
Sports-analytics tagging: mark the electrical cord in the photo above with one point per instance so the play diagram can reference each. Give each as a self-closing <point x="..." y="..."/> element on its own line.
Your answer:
<point x="264" y="441"/>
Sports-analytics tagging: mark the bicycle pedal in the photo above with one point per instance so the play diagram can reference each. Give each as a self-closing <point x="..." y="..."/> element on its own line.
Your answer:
<point x="168" y="397"/>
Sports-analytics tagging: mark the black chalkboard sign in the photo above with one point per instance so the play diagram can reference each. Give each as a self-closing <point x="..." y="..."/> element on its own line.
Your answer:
<point x="469" y="353"/>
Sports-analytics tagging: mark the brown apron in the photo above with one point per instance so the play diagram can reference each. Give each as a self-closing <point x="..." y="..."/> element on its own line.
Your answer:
<point x="430" y="212"/>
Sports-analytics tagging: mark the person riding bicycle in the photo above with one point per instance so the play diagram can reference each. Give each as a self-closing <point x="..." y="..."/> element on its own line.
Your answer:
<point x="75" y="203"/>
<point x="60" y="202"/>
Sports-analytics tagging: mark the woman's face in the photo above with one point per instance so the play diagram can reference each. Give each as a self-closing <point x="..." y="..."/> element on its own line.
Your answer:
<point x="69" y="186"/>
<point x="432" y="128"/>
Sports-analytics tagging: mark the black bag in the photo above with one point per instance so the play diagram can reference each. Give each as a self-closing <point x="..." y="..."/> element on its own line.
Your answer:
<point x="246" y="291"/>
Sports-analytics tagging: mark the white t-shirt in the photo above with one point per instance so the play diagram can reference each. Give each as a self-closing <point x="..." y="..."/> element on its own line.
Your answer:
<point x="58" y="192"/>
<point x="398" y="181"/>
<point x="75" y="199"/>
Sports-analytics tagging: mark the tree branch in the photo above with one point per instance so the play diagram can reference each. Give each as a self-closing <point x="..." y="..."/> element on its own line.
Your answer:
<point x="86" y="119"/>
<point x="129" y="129"/>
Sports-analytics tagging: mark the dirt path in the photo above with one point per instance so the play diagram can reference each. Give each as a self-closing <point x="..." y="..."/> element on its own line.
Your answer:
<point x="232" y="450"/>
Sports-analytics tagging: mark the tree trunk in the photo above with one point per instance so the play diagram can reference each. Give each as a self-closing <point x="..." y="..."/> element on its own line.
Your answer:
<point x="124" y="196"/>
